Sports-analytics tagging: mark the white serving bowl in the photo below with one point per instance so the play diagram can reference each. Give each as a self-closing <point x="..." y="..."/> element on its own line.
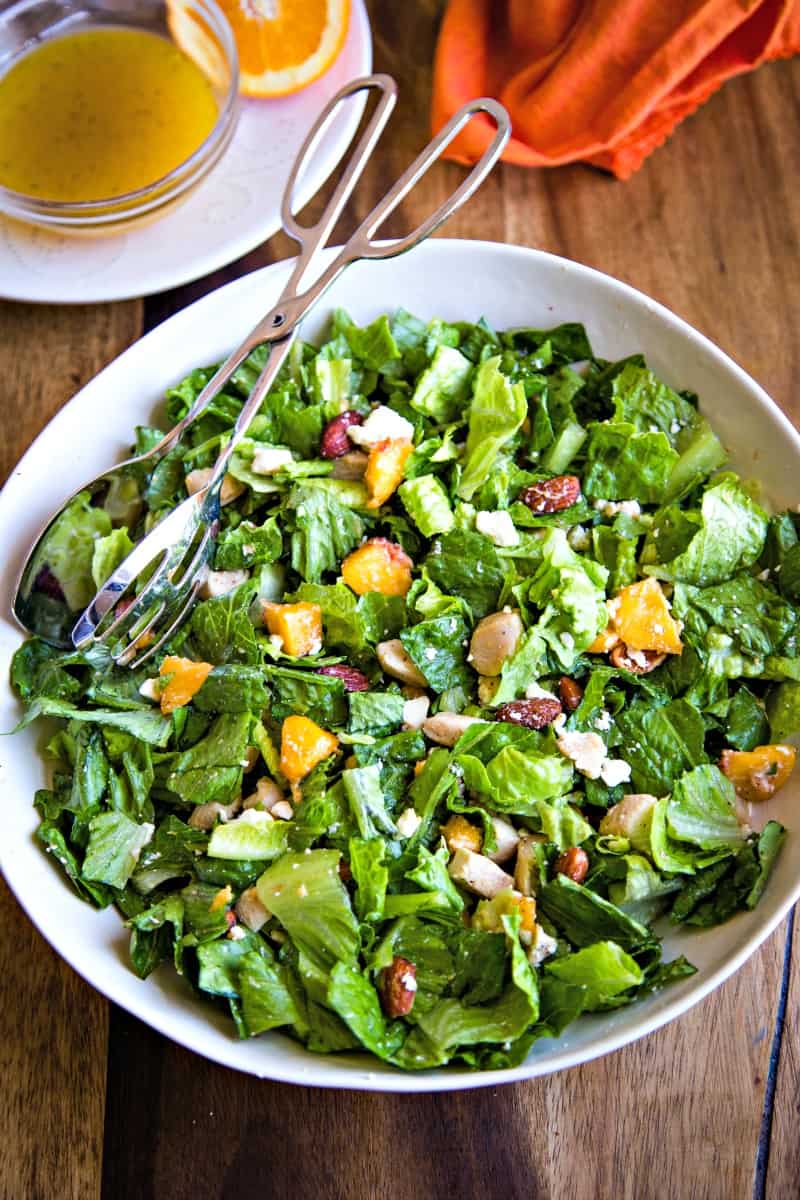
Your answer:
<point x="455" y="280"/>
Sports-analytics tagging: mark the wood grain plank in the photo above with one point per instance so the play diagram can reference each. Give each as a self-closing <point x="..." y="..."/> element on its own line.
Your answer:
<point x="782" y="1151"/>
<point x="54" y="1043"/>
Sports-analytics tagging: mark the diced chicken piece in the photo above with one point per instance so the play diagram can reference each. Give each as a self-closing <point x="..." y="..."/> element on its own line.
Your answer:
<point x="205" y="816"/>
<point x="350" y="466"/>
<point x="269" y="459"/>
<point x="266" y="795"/>
<point x="526" y="863"/>
<point x="446" y="727"/>
<point x="408" y="822"/>
<point x="478" y="873"/>
<point x="507" y="840"/>
<point x="219" y="583"/>
<point x="251" y="911"/>
<point x="415" y="711"/>
<point x="231" y="488"/>
<point x="396" y="661"/>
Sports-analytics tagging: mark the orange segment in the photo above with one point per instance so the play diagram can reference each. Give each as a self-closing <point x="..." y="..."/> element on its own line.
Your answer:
<point x="184" y="679"/>
<point x="758" y="774"/>
<point x="303" y="745"/>
<point x="283" y="45"/>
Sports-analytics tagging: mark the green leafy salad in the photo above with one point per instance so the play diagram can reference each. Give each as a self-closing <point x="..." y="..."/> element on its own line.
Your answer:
<point x="494" y="665"/>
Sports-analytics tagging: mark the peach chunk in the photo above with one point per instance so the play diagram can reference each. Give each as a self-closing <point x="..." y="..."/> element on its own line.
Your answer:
<point x="303" y="745"/>
<point x="184" y="678"/>
<point x="461" y="834"/>
<point x="758" y="774"/>
<point x="378" y="566"/>
<point x="641" y="616"/>
<point x="299" y="626"/>
<point x="385" y="469"/>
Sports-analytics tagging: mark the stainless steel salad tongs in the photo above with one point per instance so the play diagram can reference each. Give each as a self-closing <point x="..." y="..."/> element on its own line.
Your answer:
<point x="135" y="618"/>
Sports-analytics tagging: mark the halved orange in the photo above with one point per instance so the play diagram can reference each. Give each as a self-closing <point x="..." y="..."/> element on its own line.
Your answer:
<point x="283" y="44"/>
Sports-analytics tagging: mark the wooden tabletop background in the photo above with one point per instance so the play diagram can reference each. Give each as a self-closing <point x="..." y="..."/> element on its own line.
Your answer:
<point x="95" y="1103"/>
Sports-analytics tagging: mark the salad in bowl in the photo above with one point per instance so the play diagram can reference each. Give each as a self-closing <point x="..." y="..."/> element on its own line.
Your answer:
<point x="494" y="671"/>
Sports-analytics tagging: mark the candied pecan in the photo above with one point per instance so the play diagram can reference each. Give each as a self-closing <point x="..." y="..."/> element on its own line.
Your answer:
<point x="398" y="987"/>
<point x="353" y="680"/>
<point x="335" y="441"/>
<point x="552" y="495"/>
<point x="345" y="874"/>
<point x="533" y="714"/>
<point x="637" y="662"/>
<point x="570" y="691"/>
<point x="574" y="863"/>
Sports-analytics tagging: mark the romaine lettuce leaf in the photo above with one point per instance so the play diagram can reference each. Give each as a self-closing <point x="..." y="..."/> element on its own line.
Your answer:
<point x="602" y="970"/>
<point x="115" y="843"/>
<point x="442" y="389"/>
<point x="497" y="410"/>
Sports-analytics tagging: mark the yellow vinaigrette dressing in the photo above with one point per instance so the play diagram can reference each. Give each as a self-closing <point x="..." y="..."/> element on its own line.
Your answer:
<point x="93" y="115"/>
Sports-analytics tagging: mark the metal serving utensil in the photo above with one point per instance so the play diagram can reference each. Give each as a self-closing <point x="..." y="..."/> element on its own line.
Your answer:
<point x="171" y="561"/>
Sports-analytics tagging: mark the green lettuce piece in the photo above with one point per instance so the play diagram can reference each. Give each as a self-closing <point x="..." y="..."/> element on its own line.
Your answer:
<point x="783" y="708"/>
<point x="170" y="854"/>
<point x="353" y="625"/>
<point x="497" y="410"/>
<point x="641" y="894"/>
<point x="219" y="963"/>
<point x="324" y="532"/>
<point x="584" y="917"/>
<point x="108" y="553"/>
<point x="221" y="630"/>
<point x="204" y="919"/>
<point x="617" y="553"/>
<point x="430" y="874"/>
<point x="642" y="399"/>
<point x="331" y="382"/>
<point x="755" y="616"/>
<point x="115" y="843"/>
<point x="427" y="504"/>
<point x="248" y="545"/>
<point x="362" y="786"/>
<point x="661" y="743"/>
<point x="308" y="898"/>
<point x="157" y="933"/>
<point x="147" y="724"/>
<point x="466" y="564"/>
<point x="730" y="538"/>
<point x="376" y="713"/>
<point x="520" y="668"/>
<point x="442" y="389"/>
<point x="563" y="823"/>
<point x="701" y="453"/>
<point x="603" y="970"/>
<point x="625" y="465"/>
<point x="212" y="768"/>
<point x="352" y="996"/>
<point x="570" y="591"/>
<point x="740" y="886"/>
<point x="320" y="697"/>
<point x="267" y="998"/>
<point x="702" y="810"/>
<point x="747" y="725"/>
<point x="451" y="1024"/>
<point x="68" y="549"/>
<point x="370" y="875"/>
<point x="436" y="646"/>
<point x="233" y="687"/>
<point x="253" y="837"/>
<point x="54" y="842"/>
<point x="373" y="345"/>
<point x="521" y="780"/>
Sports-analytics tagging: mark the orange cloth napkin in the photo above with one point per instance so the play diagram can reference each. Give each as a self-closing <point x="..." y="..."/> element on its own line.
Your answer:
<point x="597" y="81"/>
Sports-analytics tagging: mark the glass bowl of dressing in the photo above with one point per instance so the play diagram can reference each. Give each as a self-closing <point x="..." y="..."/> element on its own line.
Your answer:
<point x="111" y="113"/>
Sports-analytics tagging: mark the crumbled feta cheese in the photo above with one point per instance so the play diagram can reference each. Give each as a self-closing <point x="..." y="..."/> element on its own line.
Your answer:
<point x="587" y="751"/>
<point x="675" y="426"/>
<point x="408" y="981"/>
<point x="614" y="771"/>
<point x="542" y="946"/>
<point x="603" y="722"/>
<point x="151" y="689"/>
<point x="498" y="527"/>
<point x="219" y="583"/>
<point x="276" y="640"/>
<point x="382" y="423"/>
<point x="578" y="538"/>
<point x="415" y="711"/>
<point x="610" y="508"/>
<point x="567" y="640"/>
<point x="430" y="653"/>
<point x="236" y="933"/>
<point x="534" y="692"/>
<point x="408" y="822"/>
<point x="269" y="459"/>
<point x="639" y="657"/>
<point x="763" y="575"/>
<point x="283" y="810"/>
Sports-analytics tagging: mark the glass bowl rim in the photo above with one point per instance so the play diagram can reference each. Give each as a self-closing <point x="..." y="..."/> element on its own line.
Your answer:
<point x="160" y="191"/>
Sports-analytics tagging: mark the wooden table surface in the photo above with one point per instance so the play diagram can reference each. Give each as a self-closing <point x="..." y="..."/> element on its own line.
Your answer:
<point x="93" y="1102"/>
